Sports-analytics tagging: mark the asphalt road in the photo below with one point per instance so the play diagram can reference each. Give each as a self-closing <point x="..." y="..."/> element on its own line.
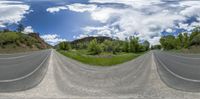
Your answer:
<point x="78" y="79"/>
<point x="150" y="76"/>
<point x="179" y="71"/>
<point x="21" y="71"/>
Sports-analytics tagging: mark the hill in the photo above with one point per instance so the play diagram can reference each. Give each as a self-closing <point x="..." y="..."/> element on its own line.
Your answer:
<point x="18" y="42"/>
<point x="83" y="42"/>
<point x="100" y="39"/>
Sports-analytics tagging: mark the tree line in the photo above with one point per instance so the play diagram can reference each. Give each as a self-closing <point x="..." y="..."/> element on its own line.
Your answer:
<point x="182" y="40"/>
<point x="97" y="46"/>
<point x="132" y="44"/>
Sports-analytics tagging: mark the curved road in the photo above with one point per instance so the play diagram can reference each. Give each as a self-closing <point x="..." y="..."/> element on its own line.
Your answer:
<point x="82" y="80"/>
<point x="179" y="71"/>
<point x="139" y="78"/>
<point x="22" y="71"/>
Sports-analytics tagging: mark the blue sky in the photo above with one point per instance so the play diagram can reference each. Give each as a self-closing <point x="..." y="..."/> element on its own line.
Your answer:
<point x="61" y="20"/>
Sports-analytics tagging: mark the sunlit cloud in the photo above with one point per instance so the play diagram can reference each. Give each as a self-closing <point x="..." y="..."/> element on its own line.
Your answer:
<point x="12" y="12"/>
<point x="146" y="19"/>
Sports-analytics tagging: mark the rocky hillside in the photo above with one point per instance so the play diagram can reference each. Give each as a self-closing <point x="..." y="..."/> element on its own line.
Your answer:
<point x="18" y="42"/>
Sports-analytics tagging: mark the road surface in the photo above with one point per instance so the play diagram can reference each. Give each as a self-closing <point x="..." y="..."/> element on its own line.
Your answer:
<point x="22" y="71"/>
<point x="139" y="78"/>
<point x="179" y="71"/>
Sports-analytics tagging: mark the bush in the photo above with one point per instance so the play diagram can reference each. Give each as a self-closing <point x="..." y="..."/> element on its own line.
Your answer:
<point x="8" y="37"/>
<point x="195" y="40"/>
<point x="183" y="40"/>
<point x="94" y="47"/>
<point x="134" y="44"/>
<point x="156" y="47"/>
<point x="126" y="46"/>
<point x="146" y="45"/>
<point x="107" y="46"/>
<point x="64" y="46"/>
<point x="168" y="42"/>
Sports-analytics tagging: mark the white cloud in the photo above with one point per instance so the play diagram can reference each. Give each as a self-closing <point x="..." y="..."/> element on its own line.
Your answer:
<point x="28" y="30"/>
<point x="191" y="11"/>
<point x="80" y="36"/>
<point x="135" y="3"/>
<point x="142" y="18"/>
<point x="103" y="31"/>
<point x="52" y="39"/>
<point x="198" y="19"/>
<point x="169" y="30"/>
<point x="189" y="3"/>
<point x="103" y="14"/>
<point x="12" y="12"/>
<point x="192" y="26"/>
<point x="155" y="40"/>
<point x="183" y="26"/>
<point x="77" y="7"/>
<point x="81" y="7"/>
<point x="56" y="9"/>
<point x="188" y="27"/>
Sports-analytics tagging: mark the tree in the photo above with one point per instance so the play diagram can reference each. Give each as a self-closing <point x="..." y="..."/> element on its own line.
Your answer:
<point x="64" y="46"/>
<point x="6" y="30"/>
<point x="180" y="40"/>
<point x="20" y="28"/>
<point x="126" y="46"/>
<point x="196" y="40"/>
<point x="194" y="37"/>
<point x="2" y="39"/>
<point x="116" y="46"/>
<point x="94" y="47"/>
<point x="107" y="46"/>
<point x="142" y="48"/>
<point x="134" y="44"/>
<point x="168" y="42"/>
<point x="158" y="47"/>
<point x="183" y="40"/>
<point x="146" y="44"/>
<point x="194" y="33"/>
<point x="186" y="40"/>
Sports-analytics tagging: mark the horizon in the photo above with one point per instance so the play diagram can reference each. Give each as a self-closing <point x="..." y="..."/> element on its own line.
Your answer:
<point x="61" y="20"/>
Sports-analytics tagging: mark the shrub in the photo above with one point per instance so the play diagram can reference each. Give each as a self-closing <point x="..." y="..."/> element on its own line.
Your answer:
<point x="94" y="47"/>
<point x="107" y="46"/>
<point x="64" y="46"/>
<point x="134" y="44"/>
<point x="195" y="40"/>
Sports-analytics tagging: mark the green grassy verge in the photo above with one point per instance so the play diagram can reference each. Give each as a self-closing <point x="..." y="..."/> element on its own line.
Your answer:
<point x="192" y="50"/>
<point x="104" y="59"/>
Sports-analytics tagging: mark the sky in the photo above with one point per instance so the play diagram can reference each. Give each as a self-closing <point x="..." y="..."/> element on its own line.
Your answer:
<point x="66" y="20"/>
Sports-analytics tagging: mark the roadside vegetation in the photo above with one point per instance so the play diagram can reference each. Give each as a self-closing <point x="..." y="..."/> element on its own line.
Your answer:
<point x="16" y="41"/>
<point x="103" y="51"/>
<point x="104" y="59"/>
<point x="183" y="42"/>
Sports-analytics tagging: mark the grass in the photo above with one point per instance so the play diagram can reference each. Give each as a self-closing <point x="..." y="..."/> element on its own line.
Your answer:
<point x="9" y="50"/>
<point x="104" y="59"/>
<point x="191" y="50"/>
<point x="13" y="48"/>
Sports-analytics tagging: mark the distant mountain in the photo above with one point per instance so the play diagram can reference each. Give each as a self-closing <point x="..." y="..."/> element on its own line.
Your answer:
<point x="18" y="42"/>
